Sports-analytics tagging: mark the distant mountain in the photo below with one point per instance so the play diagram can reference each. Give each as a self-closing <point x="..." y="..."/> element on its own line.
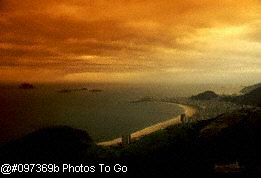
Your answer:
<point x="207" y="95"/>
<point x="250" y="88"/>
<point x="26" y="86"/>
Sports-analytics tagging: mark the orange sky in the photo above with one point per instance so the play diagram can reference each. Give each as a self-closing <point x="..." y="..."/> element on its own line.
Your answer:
<point x="138" y="41"/>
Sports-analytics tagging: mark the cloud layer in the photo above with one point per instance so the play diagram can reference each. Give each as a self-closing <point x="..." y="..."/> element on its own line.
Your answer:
<point x="123" y="40"/>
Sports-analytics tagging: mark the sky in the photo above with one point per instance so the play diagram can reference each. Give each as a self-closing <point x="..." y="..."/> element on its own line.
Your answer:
<point x="130" y="41"/>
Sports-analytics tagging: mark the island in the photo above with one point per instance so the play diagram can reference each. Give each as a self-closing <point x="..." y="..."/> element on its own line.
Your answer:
<point x="26" y="86"/>
<point x="95" y="90"/>
<point x="72" y="90"/>
<point x="64" y="91"/>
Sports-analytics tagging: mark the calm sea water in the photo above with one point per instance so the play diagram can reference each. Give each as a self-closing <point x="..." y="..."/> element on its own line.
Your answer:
<point x="104" y="115"/>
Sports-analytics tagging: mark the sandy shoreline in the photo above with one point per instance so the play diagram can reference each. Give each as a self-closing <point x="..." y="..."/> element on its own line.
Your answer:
<point x="188" y="110"/>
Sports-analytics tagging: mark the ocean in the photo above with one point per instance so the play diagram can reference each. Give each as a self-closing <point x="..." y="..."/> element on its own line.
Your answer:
<point x="103" y="115"/>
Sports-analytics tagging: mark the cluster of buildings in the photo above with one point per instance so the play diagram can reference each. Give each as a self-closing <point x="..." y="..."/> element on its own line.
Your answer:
<point x="207" y="108"/>
<point x="126" y="139"/>
<point x="212" y="108"/>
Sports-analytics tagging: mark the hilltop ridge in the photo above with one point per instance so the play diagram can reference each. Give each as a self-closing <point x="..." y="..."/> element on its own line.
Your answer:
<point x="207" y="95"/>
<point x="250" y="88"/>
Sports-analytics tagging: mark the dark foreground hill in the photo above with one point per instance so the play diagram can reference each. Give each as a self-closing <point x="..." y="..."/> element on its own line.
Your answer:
<point x="225" y="146"/>
<point x="49" y="144"/>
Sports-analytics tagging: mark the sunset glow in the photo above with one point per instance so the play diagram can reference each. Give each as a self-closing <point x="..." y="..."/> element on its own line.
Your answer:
<point x="134" y="41"/>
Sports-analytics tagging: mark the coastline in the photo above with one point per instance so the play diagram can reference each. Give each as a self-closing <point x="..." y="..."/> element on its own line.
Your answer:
<point x="188" y="110"/>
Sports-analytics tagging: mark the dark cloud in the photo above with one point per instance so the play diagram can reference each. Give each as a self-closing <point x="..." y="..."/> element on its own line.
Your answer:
<point x="56" y="34"/>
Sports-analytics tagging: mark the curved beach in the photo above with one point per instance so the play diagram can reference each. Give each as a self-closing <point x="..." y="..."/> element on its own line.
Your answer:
<point x="188" y="110"/>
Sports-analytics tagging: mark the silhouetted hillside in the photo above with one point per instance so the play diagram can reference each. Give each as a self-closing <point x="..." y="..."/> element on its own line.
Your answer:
<point x="250" y="88"/>
<point x="251" y="98"/>
<point x="207" y="95"/>
<point x="235" y="136"/>
<point x="56" y="143"/>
